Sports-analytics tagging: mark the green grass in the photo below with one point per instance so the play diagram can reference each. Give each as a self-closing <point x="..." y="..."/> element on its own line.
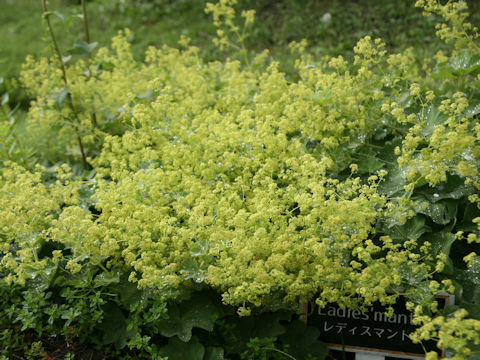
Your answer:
<point x="158" y="22"/>
<point x="22" y="31"/>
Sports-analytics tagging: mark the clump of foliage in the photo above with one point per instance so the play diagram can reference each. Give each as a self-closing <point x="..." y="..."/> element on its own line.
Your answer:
<point x="160" y="184"/>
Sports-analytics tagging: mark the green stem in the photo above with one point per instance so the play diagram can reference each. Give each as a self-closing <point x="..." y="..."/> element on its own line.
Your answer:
<point x="100" y="265"/>
<point x="6" y="151"/>
<point x="85" y="24"/>
<point x="89" y="60"/>
<point x="281" y="352"/>
<point x="82" y="151"/>
<point x="54" y="41"/>
<point x="64" y="77"/>
<point x="4" y="111"/>
<point x="243" y="49"/>
<point x="374" y="146"/>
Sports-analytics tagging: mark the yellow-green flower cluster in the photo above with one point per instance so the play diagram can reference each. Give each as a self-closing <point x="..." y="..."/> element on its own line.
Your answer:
<point x="455" y="28"/>
<point x="224" y="19"/>
<point x="453" y="144"/>
<point x="55" y="127"/>
<point x="228" y="173"/>
<point x="27" y="210"/>
<point x="456" y="333"/>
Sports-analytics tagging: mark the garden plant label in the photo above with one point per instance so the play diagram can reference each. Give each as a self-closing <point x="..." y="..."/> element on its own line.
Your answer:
<point x="372" y="330"/>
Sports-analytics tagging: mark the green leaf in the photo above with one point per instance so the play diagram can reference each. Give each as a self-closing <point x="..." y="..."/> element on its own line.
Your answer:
<point x="387" y="153"/>
<point x="340" y="156"/>
<point x="41" y="275"/>
<point x="59" y="15"/>
<point x="265" y="325"/>
<point x="469" y="279"/>
<point x="471" y="212"/>
<point x="431" y="117"/>
<point x="394" y="182"/>
<point x="73" y="17"/>
<point x="191" y="270"/>
<point x="441" y="242"/>
<point x="214" y="353"/>
<point x="369" y="162"/>
<point x="66" y="59"/>
<point x="303" y="342"/>
<point x="105" y="279"/>
<point x="5" y="98"/>
<point x="474" y="353"/>
<point x="405" y="100"/>
<point x="453" y="188"/>
<point x="60" y="98"/>
<point x="85" y="194"/>
<point x="322" y="98"/>
<point x="200" y="248"/>
<point x="179" y="350"/>
<point x="106" y="65"/>
<point x="442" y="72"/>
<point x="199" y="312"/>
<point x="472" y="110"/>
<point x="128" y="292"/>
<point x="465" y="62"/>
<point x="114" y="327"/>
<point x="412" y="229"/>
<point x="80" y="47"/>
<point x="441" y="212"/>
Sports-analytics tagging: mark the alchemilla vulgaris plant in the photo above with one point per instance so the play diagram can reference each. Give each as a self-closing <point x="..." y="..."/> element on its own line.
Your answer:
<point x="158" y="185"/>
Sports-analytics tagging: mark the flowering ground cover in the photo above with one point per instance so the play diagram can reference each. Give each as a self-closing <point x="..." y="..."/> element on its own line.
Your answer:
<point x="179" y="206"/>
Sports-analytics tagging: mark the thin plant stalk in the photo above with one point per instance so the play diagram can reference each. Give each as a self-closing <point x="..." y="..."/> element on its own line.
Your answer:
<point x="64" y="77"/>
<point x="85" y="24"/>
<point x="54" y="41"/>
<point x="4" y="111"/>
<point x="89" y="60"/>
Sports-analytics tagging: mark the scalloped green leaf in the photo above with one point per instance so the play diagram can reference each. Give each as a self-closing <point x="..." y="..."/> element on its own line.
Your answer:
<point x="114" y="326"/>
<point x="470" y="212"/>
<point x="197" y="312"/>
<point x="441" y="242"/>
<point x="179" y="350"/>
<point x="412" y="229"/>
<point x="40" y="275"/>
<point x="369" y="163"/>
<point x="214" y="353"/>
<point x="303" y="342"/>
<point x="469" y="279"/>
<point x="441" y="212"/>
<point x="266" y="325"/>
<point x="472" y="110"/>
<point x="394" y="182"/>
<point x="107" y="278"/>
<point x="431" y="117"/>
<point x="200" y="248"/>
<point x="465" y="62"/>
<point x="191" y="270"/>
<point x="453" y="188"/>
